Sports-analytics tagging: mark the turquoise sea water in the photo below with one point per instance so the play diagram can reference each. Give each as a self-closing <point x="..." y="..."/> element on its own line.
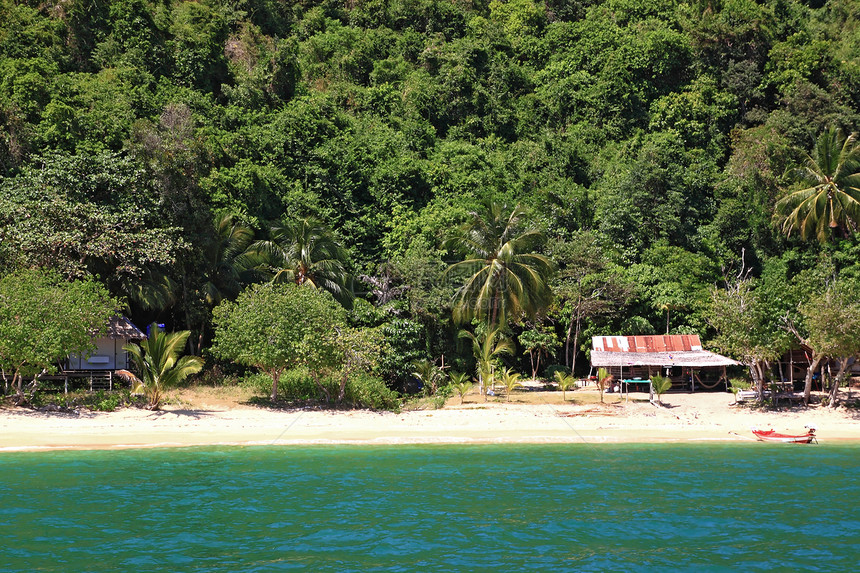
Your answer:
<point x="732" y="507"/>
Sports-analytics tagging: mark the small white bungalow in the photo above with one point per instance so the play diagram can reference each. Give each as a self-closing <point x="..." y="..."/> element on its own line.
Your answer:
<point x="108" y="355"/>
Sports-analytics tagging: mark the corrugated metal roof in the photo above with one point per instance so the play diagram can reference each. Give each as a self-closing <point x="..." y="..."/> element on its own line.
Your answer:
<point x="695" y="358"/>
<point x="665" y="343"/>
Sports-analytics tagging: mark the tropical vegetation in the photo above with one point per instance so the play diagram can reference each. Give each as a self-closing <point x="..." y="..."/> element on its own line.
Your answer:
<point x="534" y="173"/>
<point x="159" y="364"/>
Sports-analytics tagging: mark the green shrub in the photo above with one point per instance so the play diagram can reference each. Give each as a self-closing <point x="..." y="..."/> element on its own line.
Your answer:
<point x="549" y="371"/>
<point x="106" y="402"/>
<point x="257" y="383"/>
<point x="368" y="391"/>
<point x="736" y="384"/>
<point x="294" y="385"/>
<point x="216" y="376"/>
<point x="100" y="400"/>
<point x="362" y="390"/>
<point x="297" y="384"/>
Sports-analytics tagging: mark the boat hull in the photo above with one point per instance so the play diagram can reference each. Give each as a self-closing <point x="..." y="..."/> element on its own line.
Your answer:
<point x="771" y="436"/>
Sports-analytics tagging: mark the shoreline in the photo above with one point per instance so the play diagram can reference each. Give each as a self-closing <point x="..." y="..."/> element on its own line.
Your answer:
<point x="700" y="418"/>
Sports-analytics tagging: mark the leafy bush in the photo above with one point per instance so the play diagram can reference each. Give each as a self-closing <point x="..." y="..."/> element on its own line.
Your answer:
<point x="368" y="391"/>
<point x="257" y="382"/>
<point x="105" y="402"/>
<point x="549" y="371"/>
<point x="216" y="376"/>
<point x="99" y="401"/>
<point x="296" y="385"/>
<point x="736" y="384"/>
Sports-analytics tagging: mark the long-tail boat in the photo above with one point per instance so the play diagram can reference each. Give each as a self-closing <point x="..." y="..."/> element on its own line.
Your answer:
<point x="771" y="436"/>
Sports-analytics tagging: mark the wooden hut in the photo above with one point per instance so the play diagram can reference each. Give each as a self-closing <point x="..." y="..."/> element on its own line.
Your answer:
<point x="634" y="359"/>
<point x="99" y="366"/>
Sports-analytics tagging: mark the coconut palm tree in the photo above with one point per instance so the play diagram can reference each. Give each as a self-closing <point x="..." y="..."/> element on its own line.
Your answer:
<point x="159" y="365"/>
<point x="565" y="382"/>
<point x="660" y="385"/>
<point x="429" y="374"/>
<point x="603" y="378"/>
<point x="487" y="347"/>
<point x="505" y="276"/>
<point x="830" y="199"/>
<point x="511" y="381"/>
<point x="305" y="252"/>
<point x="226" y="259"/>
<point x="461" y="383"/>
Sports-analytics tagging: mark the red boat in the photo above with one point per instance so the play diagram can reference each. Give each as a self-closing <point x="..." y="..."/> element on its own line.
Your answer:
<point x="771" y="436"/>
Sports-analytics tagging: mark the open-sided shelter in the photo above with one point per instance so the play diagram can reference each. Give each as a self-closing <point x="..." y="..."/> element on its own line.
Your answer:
<point x="678" y="356"/>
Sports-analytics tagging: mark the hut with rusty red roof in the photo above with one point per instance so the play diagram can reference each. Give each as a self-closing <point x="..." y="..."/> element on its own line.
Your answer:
<point x="681" y="357"/>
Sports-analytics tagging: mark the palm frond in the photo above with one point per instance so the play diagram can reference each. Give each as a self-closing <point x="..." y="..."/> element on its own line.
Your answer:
<point x="832" y="199"/>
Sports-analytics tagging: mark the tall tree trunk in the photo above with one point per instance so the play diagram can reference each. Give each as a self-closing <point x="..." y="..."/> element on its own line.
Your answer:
<point x="567" y="344"/>
<point x="532" y="359"/>
<point x="342" y="390"/>
<point x="17" y="380"/>
<point x="757" y="373"/>
<point x="318" y="381"/>
<point x="495" y="313"/>
<point x="807" y="383"/>
<point x="843" y="371"/>
<point x="576" y="340"/>
<point x="276" y="377"/>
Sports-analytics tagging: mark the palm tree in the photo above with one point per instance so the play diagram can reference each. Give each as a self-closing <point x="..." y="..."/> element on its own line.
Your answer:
<point x="226" y="259"/>
<point x="461" y="383"/>
<point x="660" y="385"/>
<point x="159" y="365"/>
<point x="487" y="347"/>
<point x="305" y="252"/>
<point x="565" y="382"/>
<point x="511" y="381"/>
<point x="505" y="276"/>
<point x="830" y="199"/>
<point x="429" y="374"/>
<point x="603" y="378"/>
<point x="226" y="265"/>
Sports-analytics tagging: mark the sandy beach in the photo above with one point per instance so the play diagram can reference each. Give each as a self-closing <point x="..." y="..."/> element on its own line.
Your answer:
<point x="211" y="419"/>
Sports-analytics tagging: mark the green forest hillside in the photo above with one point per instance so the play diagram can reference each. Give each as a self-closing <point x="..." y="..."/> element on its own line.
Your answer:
<point x="647" y="143"/>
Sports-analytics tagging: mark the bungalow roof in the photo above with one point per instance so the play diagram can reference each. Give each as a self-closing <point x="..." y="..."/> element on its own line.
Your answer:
<point x="668" y="350"/>
<point x="694" y="358"/>
<point x="121" y="328"/>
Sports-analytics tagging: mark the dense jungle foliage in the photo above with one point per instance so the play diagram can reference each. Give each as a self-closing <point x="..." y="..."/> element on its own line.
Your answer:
<point x="148" y="144"/>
